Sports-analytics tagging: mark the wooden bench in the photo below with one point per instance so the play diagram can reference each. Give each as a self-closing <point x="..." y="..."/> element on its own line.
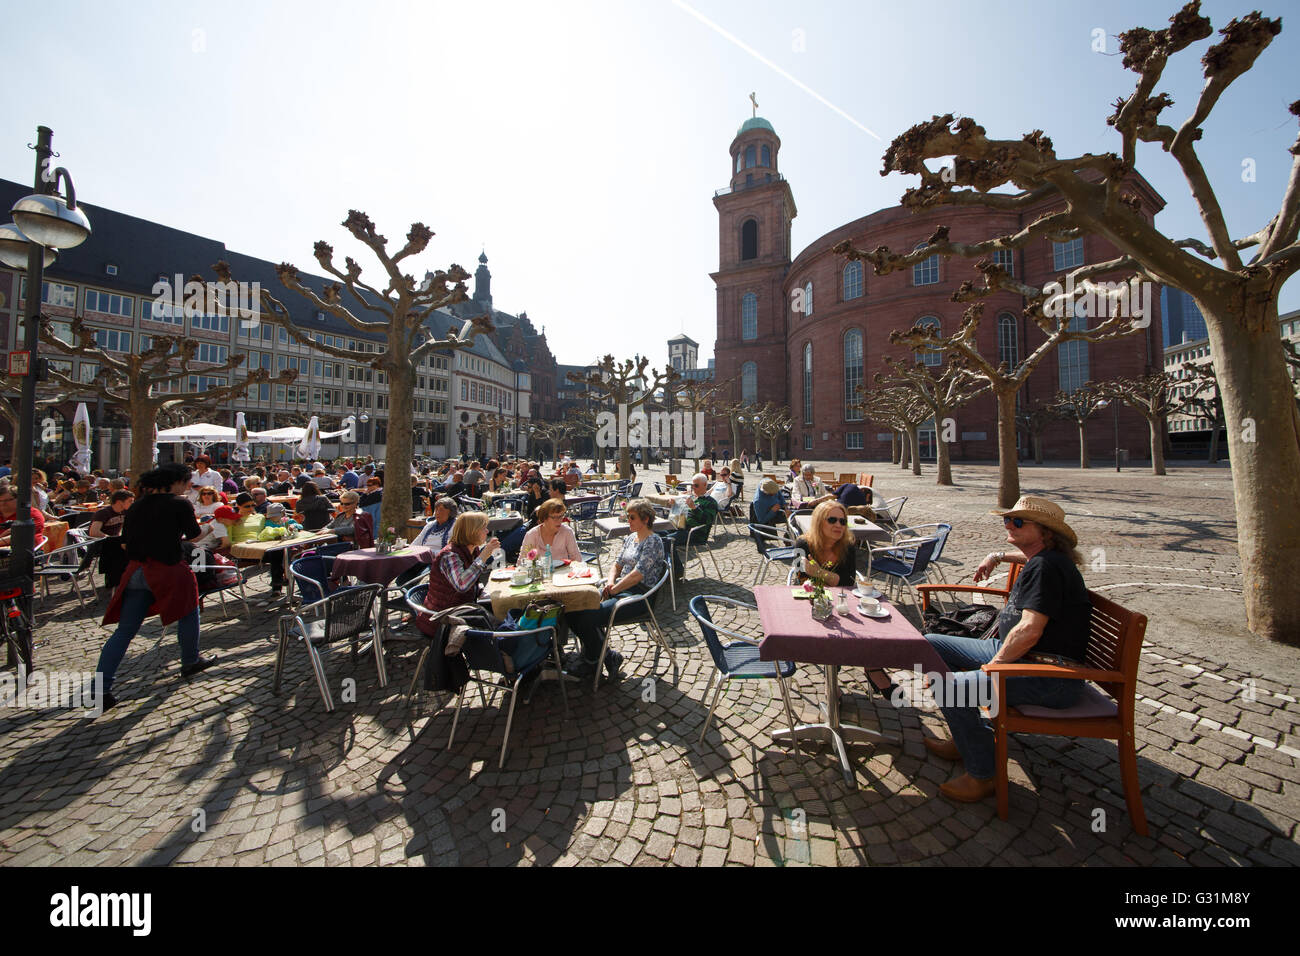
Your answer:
<point x="1106" y="711"/>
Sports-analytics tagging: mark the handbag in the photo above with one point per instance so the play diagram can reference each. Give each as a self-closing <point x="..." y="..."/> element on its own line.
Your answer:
<point x="969" y="620"/>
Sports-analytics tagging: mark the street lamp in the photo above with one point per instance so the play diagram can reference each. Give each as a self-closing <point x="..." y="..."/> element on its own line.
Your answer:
<point x="43" y="223"/>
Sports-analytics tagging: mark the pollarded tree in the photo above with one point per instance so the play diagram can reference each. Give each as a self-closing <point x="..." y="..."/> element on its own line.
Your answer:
<point x="405" y="308"/>
<point x="1198" y="396"/>
<point x="132" y="380"/>
<point x="1153" y="396"/>
<point x="1034" y="421"/>
<point x="772" y="422"/>
<point x="943" y="394"/>
<point x="700" y="399"/>
<point x="1239" y="299"/>
<point x="627" y="387"/>
<point x="9" y="403"/>
<point x="554" y="432"/>
<point x="1079" y="406"/>
<point x="907" y="410"/>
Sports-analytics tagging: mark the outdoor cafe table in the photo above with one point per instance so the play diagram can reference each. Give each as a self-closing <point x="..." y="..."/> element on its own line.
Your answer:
<point x="257" y="550"/>
<point x="576" y="594"/>
<point x="662" y="501"/>
<point x="367" y="566"/>
<point x="571" y="500"/>
<point x="792" y="634"/>
<point x="863" y="530"/>
<point x="618" y="527"/>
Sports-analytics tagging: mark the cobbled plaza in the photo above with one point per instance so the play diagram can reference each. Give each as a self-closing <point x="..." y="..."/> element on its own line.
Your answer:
<point x="219" y="771"/>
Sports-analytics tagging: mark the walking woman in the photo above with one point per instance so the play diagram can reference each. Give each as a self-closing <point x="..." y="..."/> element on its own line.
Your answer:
<point x="156" y="580"/>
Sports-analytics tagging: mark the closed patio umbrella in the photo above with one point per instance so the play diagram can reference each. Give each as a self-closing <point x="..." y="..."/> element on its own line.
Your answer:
<point x="310" y="446"/>
<point x="81" y="436"/>
<point x="240" y="452"/>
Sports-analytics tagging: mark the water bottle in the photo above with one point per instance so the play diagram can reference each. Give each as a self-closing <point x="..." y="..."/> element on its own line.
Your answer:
<point x="548" y="564"/>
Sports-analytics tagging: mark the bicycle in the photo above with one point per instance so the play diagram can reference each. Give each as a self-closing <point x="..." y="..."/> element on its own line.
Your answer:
<point x="17" y="629"/>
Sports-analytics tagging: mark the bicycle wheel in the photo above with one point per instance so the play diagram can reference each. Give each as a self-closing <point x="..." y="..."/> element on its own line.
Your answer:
<point x="18" y="635"/>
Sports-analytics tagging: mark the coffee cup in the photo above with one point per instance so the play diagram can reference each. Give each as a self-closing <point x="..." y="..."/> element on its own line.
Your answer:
<point x="519" y="577"/>
<point x="868" y="605"/>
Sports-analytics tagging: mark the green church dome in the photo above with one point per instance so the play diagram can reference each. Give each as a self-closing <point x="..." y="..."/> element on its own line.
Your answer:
<point x="755" y="122"/>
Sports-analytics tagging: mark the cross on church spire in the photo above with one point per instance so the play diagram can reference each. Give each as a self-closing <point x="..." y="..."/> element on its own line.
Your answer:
<point x="754" y="100"/>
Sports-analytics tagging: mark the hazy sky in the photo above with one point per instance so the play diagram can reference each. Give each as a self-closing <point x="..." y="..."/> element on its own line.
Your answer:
<point x="581" y="143"/>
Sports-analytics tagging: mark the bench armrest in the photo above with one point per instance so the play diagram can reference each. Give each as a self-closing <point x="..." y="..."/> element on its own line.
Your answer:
<point x="1069" y="672"/>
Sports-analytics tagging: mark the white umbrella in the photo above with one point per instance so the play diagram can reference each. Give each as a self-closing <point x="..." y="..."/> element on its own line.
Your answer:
<point x="240" y="452"/>
<point x="310" y="446"/>
<point x="81" y="436"/>
<point x="155" y="443"/>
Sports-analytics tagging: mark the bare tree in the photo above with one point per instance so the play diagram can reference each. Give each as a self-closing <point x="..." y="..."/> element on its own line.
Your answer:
<point x="774" y="422"/>
<point x="904" y="410"/>
<point x="942" y="395"/>
<point x="1079" y="406"/>
<point x="9" y="402"/>
<point x="1198" y="396"/>
<point x="628" y="387"/>
<point x="1034" y="421"/>
<point x="1153" y="396"/>
<point x="134" y="380"/>
<point x="554" y="432"/>
<point x="1239" y="299"/>
<point x="404" y="307"/>
<point x="701" y="399"/>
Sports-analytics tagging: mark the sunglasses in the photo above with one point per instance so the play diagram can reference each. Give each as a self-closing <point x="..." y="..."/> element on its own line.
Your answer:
<point x="1016" y="522"/>
<point x="833" y="520"/>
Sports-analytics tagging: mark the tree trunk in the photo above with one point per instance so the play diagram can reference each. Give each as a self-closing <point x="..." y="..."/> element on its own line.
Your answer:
<point x="1008" y="467"/>
<point x="395" y="508"/>
<point x="1083" y="444"/>
<point x="624" y="462"/>
<point x="142" y="415"/>
<point x="914" y="439"/>
<point x="945" y="464"/>
<point x="1157" y="446"/>
<point x="904" y="451"/>
<point x="894" y="450"/>
<point x="1215" y="428"/>
<point x="1036" y="438"/>
<point x="1264" y="449"/>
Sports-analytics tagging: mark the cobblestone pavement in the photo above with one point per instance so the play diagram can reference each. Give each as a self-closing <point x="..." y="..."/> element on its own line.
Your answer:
<point x="220" y="771"/>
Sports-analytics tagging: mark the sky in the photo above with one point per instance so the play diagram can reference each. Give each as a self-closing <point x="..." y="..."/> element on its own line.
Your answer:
<point x="580" y="144"/>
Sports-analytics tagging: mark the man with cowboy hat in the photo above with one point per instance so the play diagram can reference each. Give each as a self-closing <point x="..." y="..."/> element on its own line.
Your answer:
<point x="1047" y="618"/>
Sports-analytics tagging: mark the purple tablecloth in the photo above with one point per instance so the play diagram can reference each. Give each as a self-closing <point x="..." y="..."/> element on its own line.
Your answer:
<point x="854" y="641"/>
<point x="364" y="565"/>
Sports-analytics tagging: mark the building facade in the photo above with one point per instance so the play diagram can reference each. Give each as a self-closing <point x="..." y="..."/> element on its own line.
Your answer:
<point x="807" y="329"/>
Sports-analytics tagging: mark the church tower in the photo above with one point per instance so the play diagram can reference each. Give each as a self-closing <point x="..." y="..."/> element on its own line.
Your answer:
<point x="483" y="283"/>
<point x="754" y="215"/>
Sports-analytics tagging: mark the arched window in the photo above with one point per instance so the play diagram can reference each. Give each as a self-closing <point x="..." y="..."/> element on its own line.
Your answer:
<point x="852" y="281"/>
<point x="927" y="272"/>
<point x="807" y="383"/>
<point x="929" y="356"/>
<point x="749" y="316"/>
<point x="750" y="160"/>
<point x="749" y="239"/>
<point x="749" y="383"/>
<point x="807" y="298"/>
<point x="739" y="161"/>
<point x="1073" y="356"/>
<point x="852" y="375"/>
<point x="766" y="156"/>
<point x="1008" y="347"/>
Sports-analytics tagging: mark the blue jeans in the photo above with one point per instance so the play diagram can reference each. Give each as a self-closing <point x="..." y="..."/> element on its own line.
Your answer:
<point x="970" y="731"/>
<point x="589" y="626"/>
<point x="135" y="608"/>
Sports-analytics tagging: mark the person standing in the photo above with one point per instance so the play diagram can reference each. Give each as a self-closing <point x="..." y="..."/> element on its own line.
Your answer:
<point x="156" y="579"/>
<point x="203" y="477"/>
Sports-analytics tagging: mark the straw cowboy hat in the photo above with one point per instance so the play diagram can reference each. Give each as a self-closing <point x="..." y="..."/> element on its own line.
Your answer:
<point x="1041" y="511"/>
<point x="769" y="487"/>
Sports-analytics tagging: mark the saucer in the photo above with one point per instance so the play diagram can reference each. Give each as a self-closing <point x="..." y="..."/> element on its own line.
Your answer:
<point x="881" y="612"/>
<point x="859" y="591"/>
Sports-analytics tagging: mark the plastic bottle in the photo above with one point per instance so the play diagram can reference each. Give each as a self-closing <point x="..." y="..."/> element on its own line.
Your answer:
<point x="548" y="565"/>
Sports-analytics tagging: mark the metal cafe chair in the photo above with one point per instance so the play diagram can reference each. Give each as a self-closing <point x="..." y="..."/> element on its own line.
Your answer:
<point x="346" y="615"/>
<point x="640" y="611"/>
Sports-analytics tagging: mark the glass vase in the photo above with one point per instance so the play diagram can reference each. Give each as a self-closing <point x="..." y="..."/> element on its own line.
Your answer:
<point x="822" y="608"/>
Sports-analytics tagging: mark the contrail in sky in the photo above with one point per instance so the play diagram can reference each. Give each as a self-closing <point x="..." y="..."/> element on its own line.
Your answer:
<point x="731" y="37"/>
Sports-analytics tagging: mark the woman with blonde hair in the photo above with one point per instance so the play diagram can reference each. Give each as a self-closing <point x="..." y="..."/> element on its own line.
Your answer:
<point x="453" y="579"/>
<point x="832" y="554"/>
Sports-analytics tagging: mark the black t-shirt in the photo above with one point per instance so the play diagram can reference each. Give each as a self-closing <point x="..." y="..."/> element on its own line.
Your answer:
<point x="1050" y="584"/>
<point x="155" y="525"/>
<point x="315" y="512"/>
<point x="110" y="521"/>
<point x="371" y="498"/>
<point x="419" y="497"/>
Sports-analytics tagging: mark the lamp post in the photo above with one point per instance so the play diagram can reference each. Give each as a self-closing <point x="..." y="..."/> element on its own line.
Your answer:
<point x="43" y="223"/>
<point x="1115" y="405"/>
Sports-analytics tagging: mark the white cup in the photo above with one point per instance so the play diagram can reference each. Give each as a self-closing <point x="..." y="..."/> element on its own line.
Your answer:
<point x="519" y="578"/>
<point x="869" y="605"/>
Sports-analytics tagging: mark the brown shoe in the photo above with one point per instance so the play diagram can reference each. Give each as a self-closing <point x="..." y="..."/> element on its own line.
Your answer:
<point x="947" y="749"/>
<point x="968" y="789"/>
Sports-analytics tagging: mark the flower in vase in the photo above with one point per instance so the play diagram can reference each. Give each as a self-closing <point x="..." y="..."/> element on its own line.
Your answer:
<point x="532" y="554"/>
<point x="808" y="587"/>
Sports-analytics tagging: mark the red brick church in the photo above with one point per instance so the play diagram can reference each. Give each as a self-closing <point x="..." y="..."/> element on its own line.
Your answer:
<point x="813" y="360"/>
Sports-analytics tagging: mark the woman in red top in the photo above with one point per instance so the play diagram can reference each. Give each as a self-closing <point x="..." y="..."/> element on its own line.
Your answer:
<point x="156" y="580"/>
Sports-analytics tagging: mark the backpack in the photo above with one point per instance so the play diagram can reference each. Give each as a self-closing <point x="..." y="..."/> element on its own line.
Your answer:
<point x="969" y="620"/>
